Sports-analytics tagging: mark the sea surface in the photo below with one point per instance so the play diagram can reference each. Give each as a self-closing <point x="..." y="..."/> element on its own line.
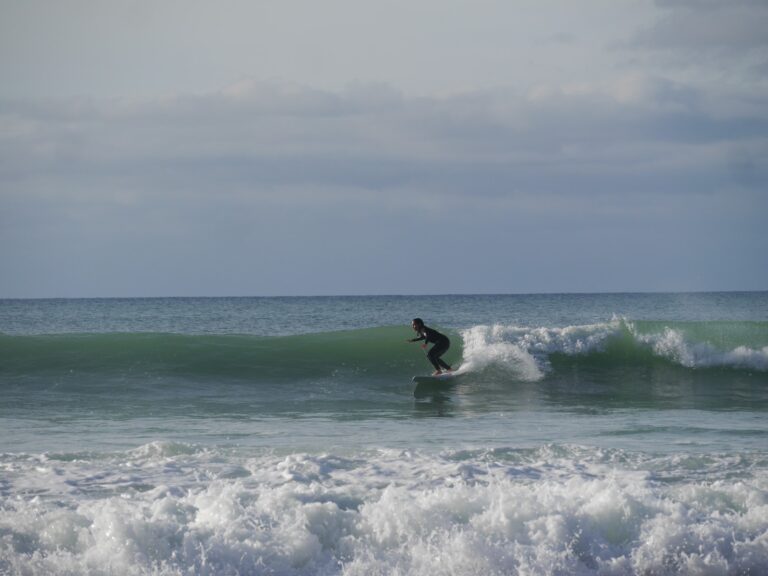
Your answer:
<point x="613" y="434"/>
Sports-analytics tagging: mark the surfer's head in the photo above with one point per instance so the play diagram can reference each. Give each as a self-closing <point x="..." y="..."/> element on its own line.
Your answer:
<point x="417" y="323"/>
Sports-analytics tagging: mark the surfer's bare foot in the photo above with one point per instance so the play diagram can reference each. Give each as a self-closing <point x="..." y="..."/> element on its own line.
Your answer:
<point x="437" y="373"/>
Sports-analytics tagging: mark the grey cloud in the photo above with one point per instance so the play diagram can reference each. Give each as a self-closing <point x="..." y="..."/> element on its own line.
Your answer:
<point x="578" y="172"/>
<point x="178" y="192"/>
<point x="372" y="138"/>
<point x="561" y="38"/>
<point x="707" y="26"/>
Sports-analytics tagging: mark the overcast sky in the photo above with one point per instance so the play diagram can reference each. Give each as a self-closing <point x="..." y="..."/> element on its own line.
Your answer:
<point x="288" y="147"/>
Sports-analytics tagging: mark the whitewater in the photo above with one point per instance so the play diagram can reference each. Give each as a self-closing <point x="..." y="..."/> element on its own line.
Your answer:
<point x="614" y="434"/>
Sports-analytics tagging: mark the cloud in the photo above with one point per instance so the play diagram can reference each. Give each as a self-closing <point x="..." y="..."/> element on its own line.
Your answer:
<point x="728" y="35"/>
<point x="328" y="191"/>
<point x="273" y="119"/>
<point x="276" y="143"/>
<point x="520" y="143"/>
<point x="561" y="38"/>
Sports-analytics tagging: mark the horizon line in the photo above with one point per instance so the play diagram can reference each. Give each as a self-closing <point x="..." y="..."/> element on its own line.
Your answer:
<point x="393" y="295"/>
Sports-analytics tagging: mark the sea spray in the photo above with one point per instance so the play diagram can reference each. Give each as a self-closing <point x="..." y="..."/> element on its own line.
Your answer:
<point x="489" y="346"/>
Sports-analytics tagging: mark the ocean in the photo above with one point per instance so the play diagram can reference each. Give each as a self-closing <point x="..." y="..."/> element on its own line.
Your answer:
<point x="612" y="434"/>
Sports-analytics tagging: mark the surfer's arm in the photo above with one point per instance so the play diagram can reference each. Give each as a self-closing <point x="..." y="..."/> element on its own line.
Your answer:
<point x="417" y="339"/>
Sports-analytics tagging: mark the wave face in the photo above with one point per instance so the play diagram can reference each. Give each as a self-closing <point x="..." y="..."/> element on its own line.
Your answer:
<point x="523" y="353"/>
<point x="713" y="365"/>
<point x="372" y="351"/>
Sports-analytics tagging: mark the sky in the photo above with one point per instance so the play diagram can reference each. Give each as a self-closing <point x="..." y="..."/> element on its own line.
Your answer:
<point x="296" y="147"/>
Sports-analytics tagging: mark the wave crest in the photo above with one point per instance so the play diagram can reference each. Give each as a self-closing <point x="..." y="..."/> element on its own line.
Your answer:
<point x="673" y="345"/>
<point x="528" y="351"/>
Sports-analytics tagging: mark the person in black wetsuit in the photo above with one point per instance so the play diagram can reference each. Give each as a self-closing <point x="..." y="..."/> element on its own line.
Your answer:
<point x="441" y="344"/>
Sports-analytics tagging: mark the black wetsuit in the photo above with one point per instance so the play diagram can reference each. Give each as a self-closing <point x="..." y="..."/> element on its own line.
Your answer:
<point x="441" y="345"/>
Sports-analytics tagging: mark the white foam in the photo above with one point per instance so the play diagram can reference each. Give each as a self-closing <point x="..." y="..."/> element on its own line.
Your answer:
<point x="555" y="510"/>
<point x="524" y="351"/>
<point x="486" y="346"/>
<point x="673" y="345"/>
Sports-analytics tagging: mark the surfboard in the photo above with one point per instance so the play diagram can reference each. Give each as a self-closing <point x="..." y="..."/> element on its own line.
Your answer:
<point x="439" y="378"/>
<point x="430" y="385"/>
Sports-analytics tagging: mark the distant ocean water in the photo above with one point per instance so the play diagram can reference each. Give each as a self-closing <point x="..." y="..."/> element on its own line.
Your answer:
<point x="587" y="434"/>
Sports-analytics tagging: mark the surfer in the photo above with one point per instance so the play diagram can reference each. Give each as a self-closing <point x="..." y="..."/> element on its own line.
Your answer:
<point x="440" y="341"/>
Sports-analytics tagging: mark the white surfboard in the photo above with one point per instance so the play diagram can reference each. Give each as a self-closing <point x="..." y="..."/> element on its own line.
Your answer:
<point x="430" y="378"/>
<point x="427" y="386"/>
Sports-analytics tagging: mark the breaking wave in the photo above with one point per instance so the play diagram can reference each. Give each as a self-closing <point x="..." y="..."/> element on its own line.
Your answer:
<point x="532" y="352"/>
<point x="523" y="352"/>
